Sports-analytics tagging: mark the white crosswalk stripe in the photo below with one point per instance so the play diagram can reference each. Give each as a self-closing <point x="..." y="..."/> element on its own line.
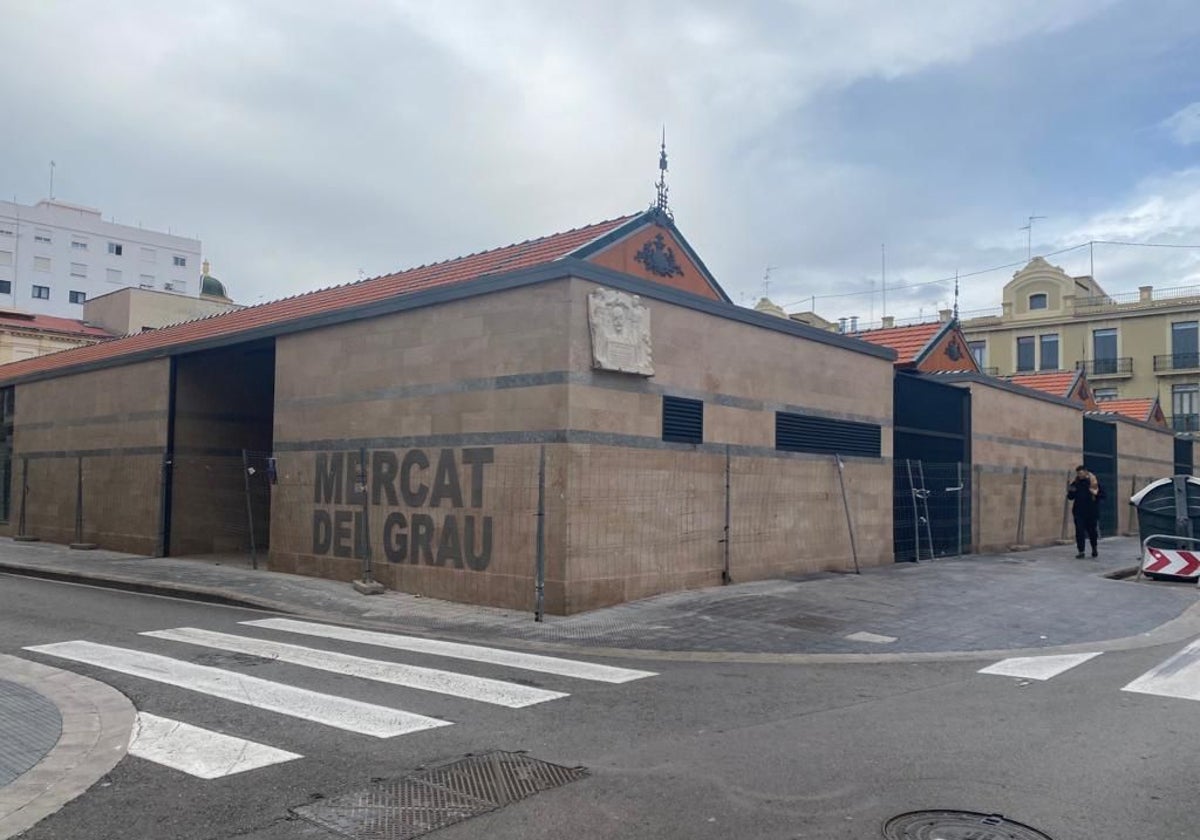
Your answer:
<point x="1038" y="667"/>
<point x="208" y="754"/>
<point x="199" y="752"/>
<point x="455" y="650"/>
<point x="427" y="679"/>
<point x="331" y="710"/>
<point x="1177" y="677"/>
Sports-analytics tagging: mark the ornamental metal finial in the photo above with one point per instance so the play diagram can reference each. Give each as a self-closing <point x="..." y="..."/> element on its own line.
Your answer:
<point x="660" y="203"/>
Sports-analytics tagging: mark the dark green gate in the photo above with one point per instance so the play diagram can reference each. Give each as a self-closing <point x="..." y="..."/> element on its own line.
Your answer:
<point x="1100" y="456"/>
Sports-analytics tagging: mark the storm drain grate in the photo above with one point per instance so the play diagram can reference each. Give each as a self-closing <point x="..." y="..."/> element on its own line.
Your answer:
<point x="957" y="825"/>
<point x="436" y="798"/>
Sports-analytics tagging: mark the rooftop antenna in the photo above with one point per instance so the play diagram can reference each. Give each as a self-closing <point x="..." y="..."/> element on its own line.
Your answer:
<point x="51" y="180"/>
<point x="1028" y="228"/>
<point x="660" y="203"/>
<point x="767" y="280"/>
<point x="956" y="294"/>
<point x="883" y="280"/>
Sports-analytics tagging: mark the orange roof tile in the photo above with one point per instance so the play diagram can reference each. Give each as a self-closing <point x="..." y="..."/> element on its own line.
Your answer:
<point x="1135" y="408"/>
<point x="50" y="323"/>
<point x="908" y="342"/>
<point x="510" y="258"/>
<point x="1056" y="382"/>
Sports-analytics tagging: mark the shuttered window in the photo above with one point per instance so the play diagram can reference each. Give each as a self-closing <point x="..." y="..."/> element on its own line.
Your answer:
<point x="804" y="433"/>
<point x="682" y="420"/>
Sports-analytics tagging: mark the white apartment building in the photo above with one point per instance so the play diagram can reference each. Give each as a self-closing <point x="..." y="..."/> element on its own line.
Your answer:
<point x="55" y="255"/>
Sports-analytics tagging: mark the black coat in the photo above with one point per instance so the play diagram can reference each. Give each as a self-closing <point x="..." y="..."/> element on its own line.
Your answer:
<point x="1086" y="506"/>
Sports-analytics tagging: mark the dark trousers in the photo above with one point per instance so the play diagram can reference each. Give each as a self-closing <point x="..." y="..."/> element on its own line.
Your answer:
<point x="1086" y="527"/>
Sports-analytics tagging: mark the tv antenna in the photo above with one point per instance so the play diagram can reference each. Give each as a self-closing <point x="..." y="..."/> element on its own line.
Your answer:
<point x="1028" y="228"/>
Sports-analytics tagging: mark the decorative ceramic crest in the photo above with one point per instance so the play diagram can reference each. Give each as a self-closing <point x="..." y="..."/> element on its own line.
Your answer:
<point x="620" y="326"/>
<point x="658" y="257"/>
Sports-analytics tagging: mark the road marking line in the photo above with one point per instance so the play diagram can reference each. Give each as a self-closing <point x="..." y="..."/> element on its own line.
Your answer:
<point x="454" y="650"/>
<point x="338" y="712"/>
<point x="1038" y="667"/>
<point x="1178" y="676"/>
<point x="496" y="692"/>
<point x="874" y="638"/>
<point x="199" y="752"/>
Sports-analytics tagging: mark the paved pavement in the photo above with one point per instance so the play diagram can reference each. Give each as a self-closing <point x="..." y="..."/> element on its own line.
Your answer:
<point x="1040" y="600"/>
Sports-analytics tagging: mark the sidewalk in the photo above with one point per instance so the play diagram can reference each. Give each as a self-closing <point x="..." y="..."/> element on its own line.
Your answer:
<point x="1042" y="598"/>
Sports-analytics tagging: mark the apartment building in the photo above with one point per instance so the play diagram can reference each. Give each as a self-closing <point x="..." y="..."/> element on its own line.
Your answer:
<point x="54" y="256"/>
<point x="1143" y="344"/>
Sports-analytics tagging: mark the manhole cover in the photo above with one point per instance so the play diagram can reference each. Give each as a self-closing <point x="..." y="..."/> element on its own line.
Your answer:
<point x="957" y="825"/>
<point x="424" y="802"/>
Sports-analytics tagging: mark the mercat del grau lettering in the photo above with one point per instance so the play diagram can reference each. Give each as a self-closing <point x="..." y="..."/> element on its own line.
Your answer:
<point x="427" y="486"/>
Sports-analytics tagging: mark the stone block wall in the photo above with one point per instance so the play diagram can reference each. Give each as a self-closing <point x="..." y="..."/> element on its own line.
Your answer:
<point x="115" y="420"/>
<point x="1020" y="439"/>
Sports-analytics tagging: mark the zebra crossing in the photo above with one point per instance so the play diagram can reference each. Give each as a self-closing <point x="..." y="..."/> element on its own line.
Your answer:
<point x="208" y="754"/>
<point x="1176" y="677"/>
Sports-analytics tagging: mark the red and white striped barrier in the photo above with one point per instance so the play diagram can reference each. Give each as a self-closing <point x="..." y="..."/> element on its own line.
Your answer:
<point x="1169" y="561"/>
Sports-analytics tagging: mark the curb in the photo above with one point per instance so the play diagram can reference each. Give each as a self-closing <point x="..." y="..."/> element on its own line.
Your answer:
<point x="208" y="595"/>
<point x="97" y="721"/>
<point x="1183" y="626"/>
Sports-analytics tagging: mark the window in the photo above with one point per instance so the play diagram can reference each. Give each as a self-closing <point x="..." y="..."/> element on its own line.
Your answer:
<point x="43" y="236"/>
<point x="116" y="248"/>
<point x="5" y="287"/>
<point x="6" y="257"/>
<point x="77" y="297"/>
<point x="78" y="270"/>
<point x="41" y="263"/>
<point x="1049" y="351"/>
<point x="979" y="351"/>
<point x="79" y="244"/>
<point x="1184" y="346"/>
<point x="1104" y="350"/>
<point x="113" y="275"/>
<point x="1185" y="404"/>
<point x="41" y="292"/>
<point x="1038" y="301"/>
<point x="1104" y="393"/>
<point x="682" y="420"/>
<point x="1025" y="353"/>
<point x="148" y="255"/>
<point x="179" y="261"/>
<point x="805" y="433"/>
<point x="146" y="281"/>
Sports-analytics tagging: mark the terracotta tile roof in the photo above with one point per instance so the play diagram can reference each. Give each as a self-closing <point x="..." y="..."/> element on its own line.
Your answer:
<point x="908" y="342"/>
<point x="1056" y="382"/>
<point x="510" y="258"/>
<point x="49" y="323"/>
<point x="1135" y="409"/>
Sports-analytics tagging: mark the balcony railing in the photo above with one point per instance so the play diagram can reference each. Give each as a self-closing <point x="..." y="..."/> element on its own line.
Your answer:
<point x="1122" y="366"/>
<point x="1186" y="422"/>
<point x="1177" y="361"/>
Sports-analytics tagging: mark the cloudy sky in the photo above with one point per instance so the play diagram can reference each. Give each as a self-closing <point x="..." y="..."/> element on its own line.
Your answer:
<point x="310" y="143"/>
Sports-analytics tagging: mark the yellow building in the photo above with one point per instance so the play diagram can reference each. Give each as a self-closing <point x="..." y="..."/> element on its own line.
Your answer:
<point x="1141" y="344"/>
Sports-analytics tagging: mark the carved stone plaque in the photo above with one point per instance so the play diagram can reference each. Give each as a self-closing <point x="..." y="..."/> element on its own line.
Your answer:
<point x="620" y="326"/>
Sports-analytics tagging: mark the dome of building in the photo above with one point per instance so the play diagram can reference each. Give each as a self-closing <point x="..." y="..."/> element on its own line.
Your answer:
<point x="210" y="286"/>
<point x="770" y="308"/>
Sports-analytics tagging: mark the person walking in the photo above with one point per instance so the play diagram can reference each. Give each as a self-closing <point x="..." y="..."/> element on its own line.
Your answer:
<point x="1085" y="492"/>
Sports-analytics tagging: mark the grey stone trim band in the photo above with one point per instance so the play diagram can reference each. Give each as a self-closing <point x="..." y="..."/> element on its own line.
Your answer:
<point x="1030" y="444"/>
<point x="98" y="420"/>
<point x="590" y="379"/>
<point x="554" y="436"/>
<point x="47" y="454"/>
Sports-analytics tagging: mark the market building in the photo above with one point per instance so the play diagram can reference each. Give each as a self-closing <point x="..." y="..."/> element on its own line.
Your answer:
<point x="584" y="415"/>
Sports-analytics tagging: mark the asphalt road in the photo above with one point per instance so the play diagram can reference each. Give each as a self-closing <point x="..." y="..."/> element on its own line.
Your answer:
<point x="699" y="750"/>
